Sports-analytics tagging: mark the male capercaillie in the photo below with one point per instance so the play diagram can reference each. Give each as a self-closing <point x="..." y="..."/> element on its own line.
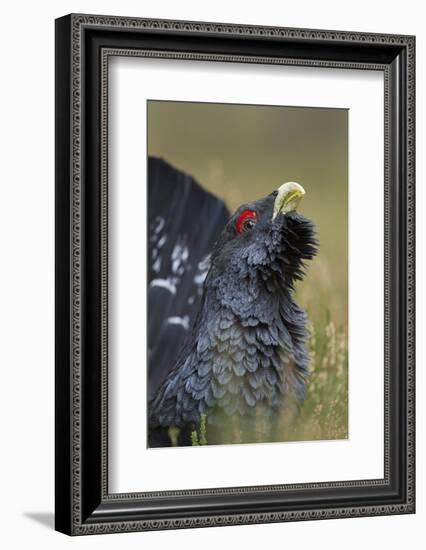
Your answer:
<point x="244" y="363"/>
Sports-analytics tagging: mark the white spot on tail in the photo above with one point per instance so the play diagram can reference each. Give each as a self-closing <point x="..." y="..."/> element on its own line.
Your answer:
<point x="162" y="241"/>
<point x="160" y="223"/>
<point x="164" y="283"/>
<point x="182" y="321"/>
<point x="156" y="266"/>
<point x="200" y="278"/>
<point x="179" y="257"/>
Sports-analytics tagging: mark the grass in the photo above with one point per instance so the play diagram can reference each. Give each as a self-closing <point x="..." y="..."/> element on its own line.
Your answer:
<point x="324" y="414"/>
<point x="199" y="436"/>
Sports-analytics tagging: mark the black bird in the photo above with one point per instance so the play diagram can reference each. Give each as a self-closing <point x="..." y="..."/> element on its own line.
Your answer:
<point x="244" y="363"/>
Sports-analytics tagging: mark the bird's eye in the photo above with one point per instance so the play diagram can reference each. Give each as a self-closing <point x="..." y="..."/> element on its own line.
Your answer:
<point x="249" y="224"/>
<point x="246" y="221"/>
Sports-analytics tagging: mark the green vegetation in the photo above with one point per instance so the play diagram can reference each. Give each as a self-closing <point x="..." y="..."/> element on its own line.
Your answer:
<point x="325" y="412"/>
<point x="199" y="437"/>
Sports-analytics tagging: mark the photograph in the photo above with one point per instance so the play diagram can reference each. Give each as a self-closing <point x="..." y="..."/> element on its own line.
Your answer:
<point x="247" y="265"/>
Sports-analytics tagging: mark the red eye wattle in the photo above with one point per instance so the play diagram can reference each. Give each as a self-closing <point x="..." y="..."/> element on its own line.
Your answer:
<point x="246" y="220"/>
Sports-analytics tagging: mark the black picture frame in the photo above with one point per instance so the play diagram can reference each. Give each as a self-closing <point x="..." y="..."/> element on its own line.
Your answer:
<point x="83" y="45"/>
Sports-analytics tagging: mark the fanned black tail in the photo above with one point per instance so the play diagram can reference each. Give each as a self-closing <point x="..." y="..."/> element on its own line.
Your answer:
<point x="184" y="222"/>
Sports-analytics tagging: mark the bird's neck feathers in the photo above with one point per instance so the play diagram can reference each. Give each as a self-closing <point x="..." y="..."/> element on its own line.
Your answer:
<point x="254" y="310"/>
<point x="255" y="289"/>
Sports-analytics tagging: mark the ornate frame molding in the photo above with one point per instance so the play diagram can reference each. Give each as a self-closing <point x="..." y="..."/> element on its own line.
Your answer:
<point x="72" y="47"/>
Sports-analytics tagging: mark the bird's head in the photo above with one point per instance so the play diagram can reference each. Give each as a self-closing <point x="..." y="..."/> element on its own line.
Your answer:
<point x="263" y="245"/>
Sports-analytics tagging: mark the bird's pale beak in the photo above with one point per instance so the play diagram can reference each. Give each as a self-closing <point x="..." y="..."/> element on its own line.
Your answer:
<point x="289" y="196"/>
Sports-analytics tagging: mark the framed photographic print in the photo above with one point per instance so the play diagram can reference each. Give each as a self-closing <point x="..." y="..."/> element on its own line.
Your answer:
<point x="234" y="274"/>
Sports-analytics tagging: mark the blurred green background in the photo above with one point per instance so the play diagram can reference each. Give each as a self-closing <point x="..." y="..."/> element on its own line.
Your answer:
<point x="243" y="152"/>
